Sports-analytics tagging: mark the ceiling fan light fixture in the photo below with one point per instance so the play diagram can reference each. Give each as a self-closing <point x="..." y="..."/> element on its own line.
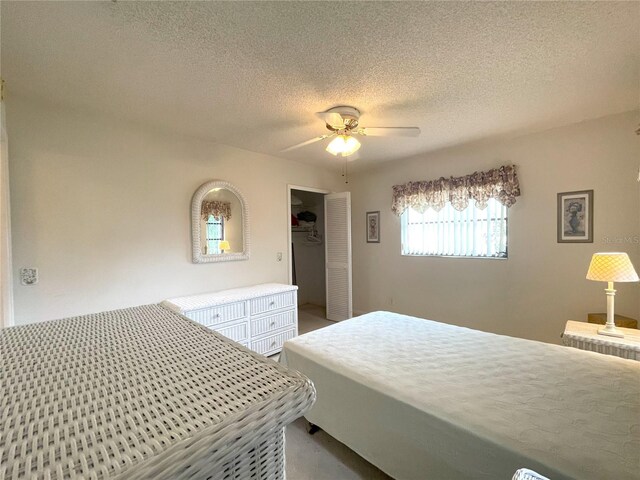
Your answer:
<point x="344" y="145"/>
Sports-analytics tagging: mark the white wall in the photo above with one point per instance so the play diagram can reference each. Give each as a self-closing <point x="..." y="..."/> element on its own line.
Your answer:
<point x="87" y="190"/>
<point x="542" y="284"/>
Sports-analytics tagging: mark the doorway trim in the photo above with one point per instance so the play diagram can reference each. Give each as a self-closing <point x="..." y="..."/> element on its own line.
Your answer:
<point x="304" y="189"/>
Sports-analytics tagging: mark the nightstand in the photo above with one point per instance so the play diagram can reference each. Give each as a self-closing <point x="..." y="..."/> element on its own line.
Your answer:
<point x="585" y="337"/>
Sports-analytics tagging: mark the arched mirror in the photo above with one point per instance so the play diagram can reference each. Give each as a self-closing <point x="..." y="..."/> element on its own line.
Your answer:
<point x="219" y="223"/>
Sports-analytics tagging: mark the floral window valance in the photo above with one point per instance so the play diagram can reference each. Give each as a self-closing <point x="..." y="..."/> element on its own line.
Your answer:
<point x="216" y="208"/>
<point x="499" y="183"/>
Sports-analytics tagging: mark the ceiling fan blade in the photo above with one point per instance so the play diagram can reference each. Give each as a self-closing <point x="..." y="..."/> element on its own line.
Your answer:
<point x="308" y="142"/>
<point x="389" y="131"/>
<point x="332" y="118"/>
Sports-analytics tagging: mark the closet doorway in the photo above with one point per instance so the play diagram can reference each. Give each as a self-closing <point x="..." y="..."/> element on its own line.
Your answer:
<point x="320" y="250"/>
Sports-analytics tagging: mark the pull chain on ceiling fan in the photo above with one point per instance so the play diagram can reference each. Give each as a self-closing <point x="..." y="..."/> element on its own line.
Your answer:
<point x="343" y="124"/>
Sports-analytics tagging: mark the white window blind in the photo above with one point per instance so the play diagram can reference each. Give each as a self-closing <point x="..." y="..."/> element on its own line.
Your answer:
<point x="471" y="232"/>
<point x="215" y="233"/>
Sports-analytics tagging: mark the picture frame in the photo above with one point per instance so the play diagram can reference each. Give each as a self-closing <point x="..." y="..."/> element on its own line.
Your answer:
<point x="373" y="227"/>
<point x="575" y="217"/>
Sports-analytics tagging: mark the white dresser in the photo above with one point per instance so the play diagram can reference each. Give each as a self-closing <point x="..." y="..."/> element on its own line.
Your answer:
<point x="261" y="317"/>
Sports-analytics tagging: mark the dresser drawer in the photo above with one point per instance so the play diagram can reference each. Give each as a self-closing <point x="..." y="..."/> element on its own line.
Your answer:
<point x="272" y="302"/>
<point x="237" y="333"/>
<point x="272" y="343"/>
<point x="264" y="325"/>
<point x="217" y="315"/>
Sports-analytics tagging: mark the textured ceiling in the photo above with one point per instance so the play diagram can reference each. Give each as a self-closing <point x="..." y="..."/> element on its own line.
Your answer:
<point x="252" y="75"/>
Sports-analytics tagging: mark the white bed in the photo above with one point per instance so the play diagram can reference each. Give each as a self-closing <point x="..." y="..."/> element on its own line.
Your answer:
<point x="422" y="399"/>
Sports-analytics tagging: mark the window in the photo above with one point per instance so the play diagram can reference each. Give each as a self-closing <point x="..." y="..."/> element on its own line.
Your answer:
<point x="471" y="232"/>
<point x="215" y="233"/>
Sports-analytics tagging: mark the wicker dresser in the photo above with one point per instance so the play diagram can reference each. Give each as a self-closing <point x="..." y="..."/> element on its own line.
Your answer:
<point x="585" y="336"/>
<point x="261" y="317"/>
<point x="141" y="393"/>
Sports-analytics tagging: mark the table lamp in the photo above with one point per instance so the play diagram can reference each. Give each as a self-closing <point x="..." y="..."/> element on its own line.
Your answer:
<point x="611" y="267"/>
<point x="224" y="245"/>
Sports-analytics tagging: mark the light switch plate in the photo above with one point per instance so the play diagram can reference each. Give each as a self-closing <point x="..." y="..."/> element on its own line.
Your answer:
<point x="29" y="276"/>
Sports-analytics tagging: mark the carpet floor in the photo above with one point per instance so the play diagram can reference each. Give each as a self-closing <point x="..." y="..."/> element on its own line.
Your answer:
<point x="322" y="457"/>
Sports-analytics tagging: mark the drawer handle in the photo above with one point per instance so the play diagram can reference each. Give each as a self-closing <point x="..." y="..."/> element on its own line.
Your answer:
<point x="274" y="343"/>
<point x="271" y="304"/>
<point x="217" y="315"/>
<point x="272" y="324"/>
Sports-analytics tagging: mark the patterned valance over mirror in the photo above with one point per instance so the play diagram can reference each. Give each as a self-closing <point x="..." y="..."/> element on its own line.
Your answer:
<point x="216" y="208"/>
<point x="219" y="223"/>
<point x="498" y="183"/>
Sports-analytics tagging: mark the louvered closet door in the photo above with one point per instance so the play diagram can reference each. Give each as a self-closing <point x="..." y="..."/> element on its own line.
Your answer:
<point x="337" y="208"/>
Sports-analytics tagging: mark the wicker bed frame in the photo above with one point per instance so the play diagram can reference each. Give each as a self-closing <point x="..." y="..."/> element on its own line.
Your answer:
<point x="141" y="393"/>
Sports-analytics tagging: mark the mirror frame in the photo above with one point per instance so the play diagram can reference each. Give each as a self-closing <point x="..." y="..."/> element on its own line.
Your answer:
<point x="196" y="244"/>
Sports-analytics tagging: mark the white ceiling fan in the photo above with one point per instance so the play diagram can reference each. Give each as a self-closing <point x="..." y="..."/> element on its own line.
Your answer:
<point x="342" y="123"/>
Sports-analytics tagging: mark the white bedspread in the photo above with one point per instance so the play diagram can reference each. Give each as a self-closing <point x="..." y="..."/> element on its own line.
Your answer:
<point x="423" y="399"/>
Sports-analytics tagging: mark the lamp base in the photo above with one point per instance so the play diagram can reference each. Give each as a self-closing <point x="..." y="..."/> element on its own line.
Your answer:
<point x="610" y="333"/>
<point x="610" y="327"/>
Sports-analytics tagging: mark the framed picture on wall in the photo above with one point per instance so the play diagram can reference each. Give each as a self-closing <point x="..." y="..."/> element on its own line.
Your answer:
<point x="575" y="217"/>
<point x="373" y="227"/>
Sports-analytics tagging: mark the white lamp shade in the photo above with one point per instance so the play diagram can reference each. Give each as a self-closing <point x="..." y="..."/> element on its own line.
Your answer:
<point x="612" y="267"/>
<point x="343" y="144"/>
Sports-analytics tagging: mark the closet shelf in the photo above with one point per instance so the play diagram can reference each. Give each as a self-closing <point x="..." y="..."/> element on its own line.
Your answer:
<point x="301" y="229"/>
